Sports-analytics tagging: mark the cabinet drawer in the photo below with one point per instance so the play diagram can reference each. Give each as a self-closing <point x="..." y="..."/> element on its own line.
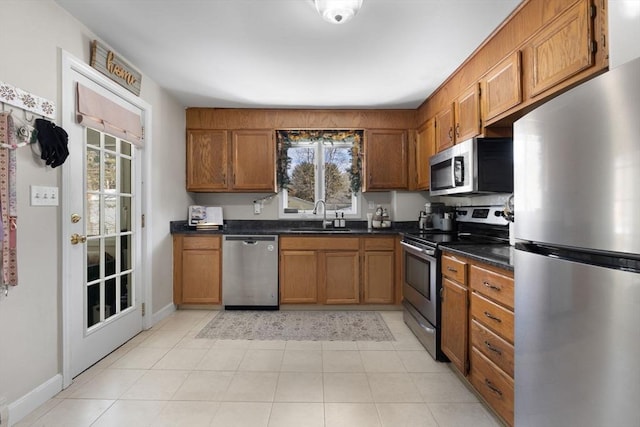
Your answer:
<point x="454" y="269"/>
<point x="201" y="242"/>
<point x="493" y="384"/>
<point x="496" y="286"/>
<point x="493" y="347"/>
<point x="319" y="243"/>
<point x="379" y="243"/>
<point x="491" y="315"/>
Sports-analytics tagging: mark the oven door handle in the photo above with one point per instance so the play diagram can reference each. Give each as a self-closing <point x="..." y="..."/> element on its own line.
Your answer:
<point x="418" y="251"/>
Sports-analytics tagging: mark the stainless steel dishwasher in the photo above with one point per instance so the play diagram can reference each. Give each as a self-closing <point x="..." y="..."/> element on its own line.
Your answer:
<point x="250" y="272"/>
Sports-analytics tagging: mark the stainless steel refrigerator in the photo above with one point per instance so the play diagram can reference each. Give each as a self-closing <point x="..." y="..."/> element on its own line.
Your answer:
<point x="577" y="258"/>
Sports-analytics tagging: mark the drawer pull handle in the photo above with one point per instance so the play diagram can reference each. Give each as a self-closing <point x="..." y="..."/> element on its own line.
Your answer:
<point x="492" y="387"/>
<point x="451" y="269"/>
<point x="492" y="348"/>
<point x="490" y="286"/>
<point x="492" y="317"/>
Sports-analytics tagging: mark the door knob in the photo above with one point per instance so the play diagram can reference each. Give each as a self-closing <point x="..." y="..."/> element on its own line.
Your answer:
<point x="77" y="238"/>
<point x="75" y="218"/>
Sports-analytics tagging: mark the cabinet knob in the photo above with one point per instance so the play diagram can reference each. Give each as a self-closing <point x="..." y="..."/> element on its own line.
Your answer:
<point x="492" y="348"/>
<point x="491" y="286"/>
<point x="492" y="317"/>
<point x="492" y="387"/>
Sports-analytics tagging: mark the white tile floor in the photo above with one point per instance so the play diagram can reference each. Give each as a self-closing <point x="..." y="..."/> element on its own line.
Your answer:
<point x="166" y="377"/>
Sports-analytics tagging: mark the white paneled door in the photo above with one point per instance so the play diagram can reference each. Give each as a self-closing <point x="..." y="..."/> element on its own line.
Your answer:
<point x="103" y="224"/>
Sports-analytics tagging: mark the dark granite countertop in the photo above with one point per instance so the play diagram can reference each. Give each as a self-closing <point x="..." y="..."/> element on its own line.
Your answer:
<point x="498" y="255"/>
<point x="287" y="227"/>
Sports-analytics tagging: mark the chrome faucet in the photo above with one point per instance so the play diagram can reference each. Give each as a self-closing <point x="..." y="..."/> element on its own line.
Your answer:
<point x="324" y="212"/>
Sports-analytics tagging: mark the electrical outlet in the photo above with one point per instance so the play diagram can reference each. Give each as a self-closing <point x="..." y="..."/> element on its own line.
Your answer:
<point x="44" y="196"/>
<point x="371" y="205"/>
<point x="257" y="208"/>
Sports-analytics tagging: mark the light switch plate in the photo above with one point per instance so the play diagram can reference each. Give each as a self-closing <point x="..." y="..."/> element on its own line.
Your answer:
<point x="44" y="196"/>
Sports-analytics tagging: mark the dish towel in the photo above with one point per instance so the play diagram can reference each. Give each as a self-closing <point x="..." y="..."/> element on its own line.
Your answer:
<point x="8" y="205"/>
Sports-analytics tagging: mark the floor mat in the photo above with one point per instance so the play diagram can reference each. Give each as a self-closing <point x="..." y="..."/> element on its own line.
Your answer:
<point x="298" y="326"/>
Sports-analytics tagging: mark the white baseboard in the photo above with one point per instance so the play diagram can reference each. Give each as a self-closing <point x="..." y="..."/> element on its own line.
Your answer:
<point x="164" y="312"/>
<point x="36" y="397"/>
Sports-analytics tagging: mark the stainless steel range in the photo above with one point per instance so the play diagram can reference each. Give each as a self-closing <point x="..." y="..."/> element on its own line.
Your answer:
<point x="421" y="256"/>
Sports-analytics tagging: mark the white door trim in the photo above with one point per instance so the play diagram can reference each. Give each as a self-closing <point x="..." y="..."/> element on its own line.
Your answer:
<point x="69" y="65"/>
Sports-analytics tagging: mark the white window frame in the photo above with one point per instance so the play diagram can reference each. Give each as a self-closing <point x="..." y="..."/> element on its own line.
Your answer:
<point x="319" y="190"/>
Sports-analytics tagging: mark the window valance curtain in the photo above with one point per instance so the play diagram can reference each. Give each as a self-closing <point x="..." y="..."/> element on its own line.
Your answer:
<point x="98" y="112"/>
<point x="285" y="138"/>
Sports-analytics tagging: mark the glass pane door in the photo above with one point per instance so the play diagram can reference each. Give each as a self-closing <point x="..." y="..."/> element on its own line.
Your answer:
<point x="109" y="227"/>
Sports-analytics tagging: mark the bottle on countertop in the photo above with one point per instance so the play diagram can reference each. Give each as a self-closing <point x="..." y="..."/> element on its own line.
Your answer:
<point x="343" y="223"/>
<point x="377" y="217"/>
<point x="386" y="221"/>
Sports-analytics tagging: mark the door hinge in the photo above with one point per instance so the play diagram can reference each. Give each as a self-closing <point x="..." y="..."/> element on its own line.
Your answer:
<point x="466" y="366"/>
<point x="144" y="308"/>
<point x="594" y="11"/>
<point x="142" y="221"/>
<point x="593" y="46"/>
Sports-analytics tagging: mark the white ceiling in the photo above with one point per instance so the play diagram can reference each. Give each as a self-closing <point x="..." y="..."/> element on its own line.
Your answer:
<point x="281" y="54"/>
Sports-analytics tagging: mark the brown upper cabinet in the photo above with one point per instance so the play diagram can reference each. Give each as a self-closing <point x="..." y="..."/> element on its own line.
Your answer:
<point x="252" y="166"/>
<point x="502" y="87"/>
<point x="425" y="148"/>
<point x="562" y="49"/>
<point x="542" y="49"/>
<point x="385" y="160"/>
<point x="253" y="160"/>
<point x="460" y="121"/>
<point x="207" y="160"/>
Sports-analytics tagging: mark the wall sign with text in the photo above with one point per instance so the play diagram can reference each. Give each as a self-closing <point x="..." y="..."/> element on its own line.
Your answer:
<point x="108" y="63"/>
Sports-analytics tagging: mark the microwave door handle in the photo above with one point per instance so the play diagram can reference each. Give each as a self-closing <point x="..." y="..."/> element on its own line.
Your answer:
<point x="458" y="161"/>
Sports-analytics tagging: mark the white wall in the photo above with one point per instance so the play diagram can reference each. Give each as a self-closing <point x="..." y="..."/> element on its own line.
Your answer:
<point x="624" y="31"/>
<point x="32" y="33"/>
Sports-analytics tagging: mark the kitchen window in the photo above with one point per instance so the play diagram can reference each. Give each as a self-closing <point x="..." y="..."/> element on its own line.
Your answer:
<point x="319" y="165"/>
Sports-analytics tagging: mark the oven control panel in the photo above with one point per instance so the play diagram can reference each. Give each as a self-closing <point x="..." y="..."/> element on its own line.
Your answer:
<point x="491" y="215"/>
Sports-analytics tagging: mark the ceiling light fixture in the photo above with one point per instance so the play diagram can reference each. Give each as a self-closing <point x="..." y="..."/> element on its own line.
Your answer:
<point x="337" y="11"/>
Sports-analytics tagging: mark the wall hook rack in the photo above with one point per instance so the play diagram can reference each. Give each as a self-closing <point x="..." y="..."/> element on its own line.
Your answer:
<point x="26" y="101"/>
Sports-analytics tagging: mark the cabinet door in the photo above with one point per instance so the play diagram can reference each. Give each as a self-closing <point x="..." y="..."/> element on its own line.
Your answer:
<point x="385" y="160"/>
<point x="341" y="277"/>
<point x="254" y="160"/>
<point x="455" y="323"/>
<point x="425" y="148"/>
<point x="562" y="49"/>
<point x="467" y="114"/>
<point x="379" y="277"/>
<point x="502" y="87"/>
<point x="444" y="129"/>
<point x="207" y="160"/>
<point x="493" y="384"/>
<point x="298" y="277"/>
<point x="201" y="276"/>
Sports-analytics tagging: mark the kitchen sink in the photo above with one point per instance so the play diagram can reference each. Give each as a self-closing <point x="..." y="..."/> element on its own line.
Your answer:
<point x="320" y="230"/>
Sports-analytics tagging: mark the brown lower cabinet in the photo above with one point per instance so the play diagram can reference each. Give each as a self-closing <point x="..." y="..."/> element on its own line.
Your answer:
<point x="196" y="269"/>
<point x="478" y="328"/>
<point x="312" y="269"/>
<point x="337" y="270"/>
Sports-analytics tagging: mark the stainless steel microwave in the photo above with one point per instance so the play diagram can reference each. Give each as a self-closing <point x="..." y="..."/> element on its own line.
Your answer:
<point x="477" y="165"/>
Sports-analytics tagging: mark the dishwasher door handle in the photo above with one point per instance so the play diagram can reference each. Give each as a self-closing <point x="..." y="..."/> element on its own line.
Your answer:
<point x="250" y="242"/>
